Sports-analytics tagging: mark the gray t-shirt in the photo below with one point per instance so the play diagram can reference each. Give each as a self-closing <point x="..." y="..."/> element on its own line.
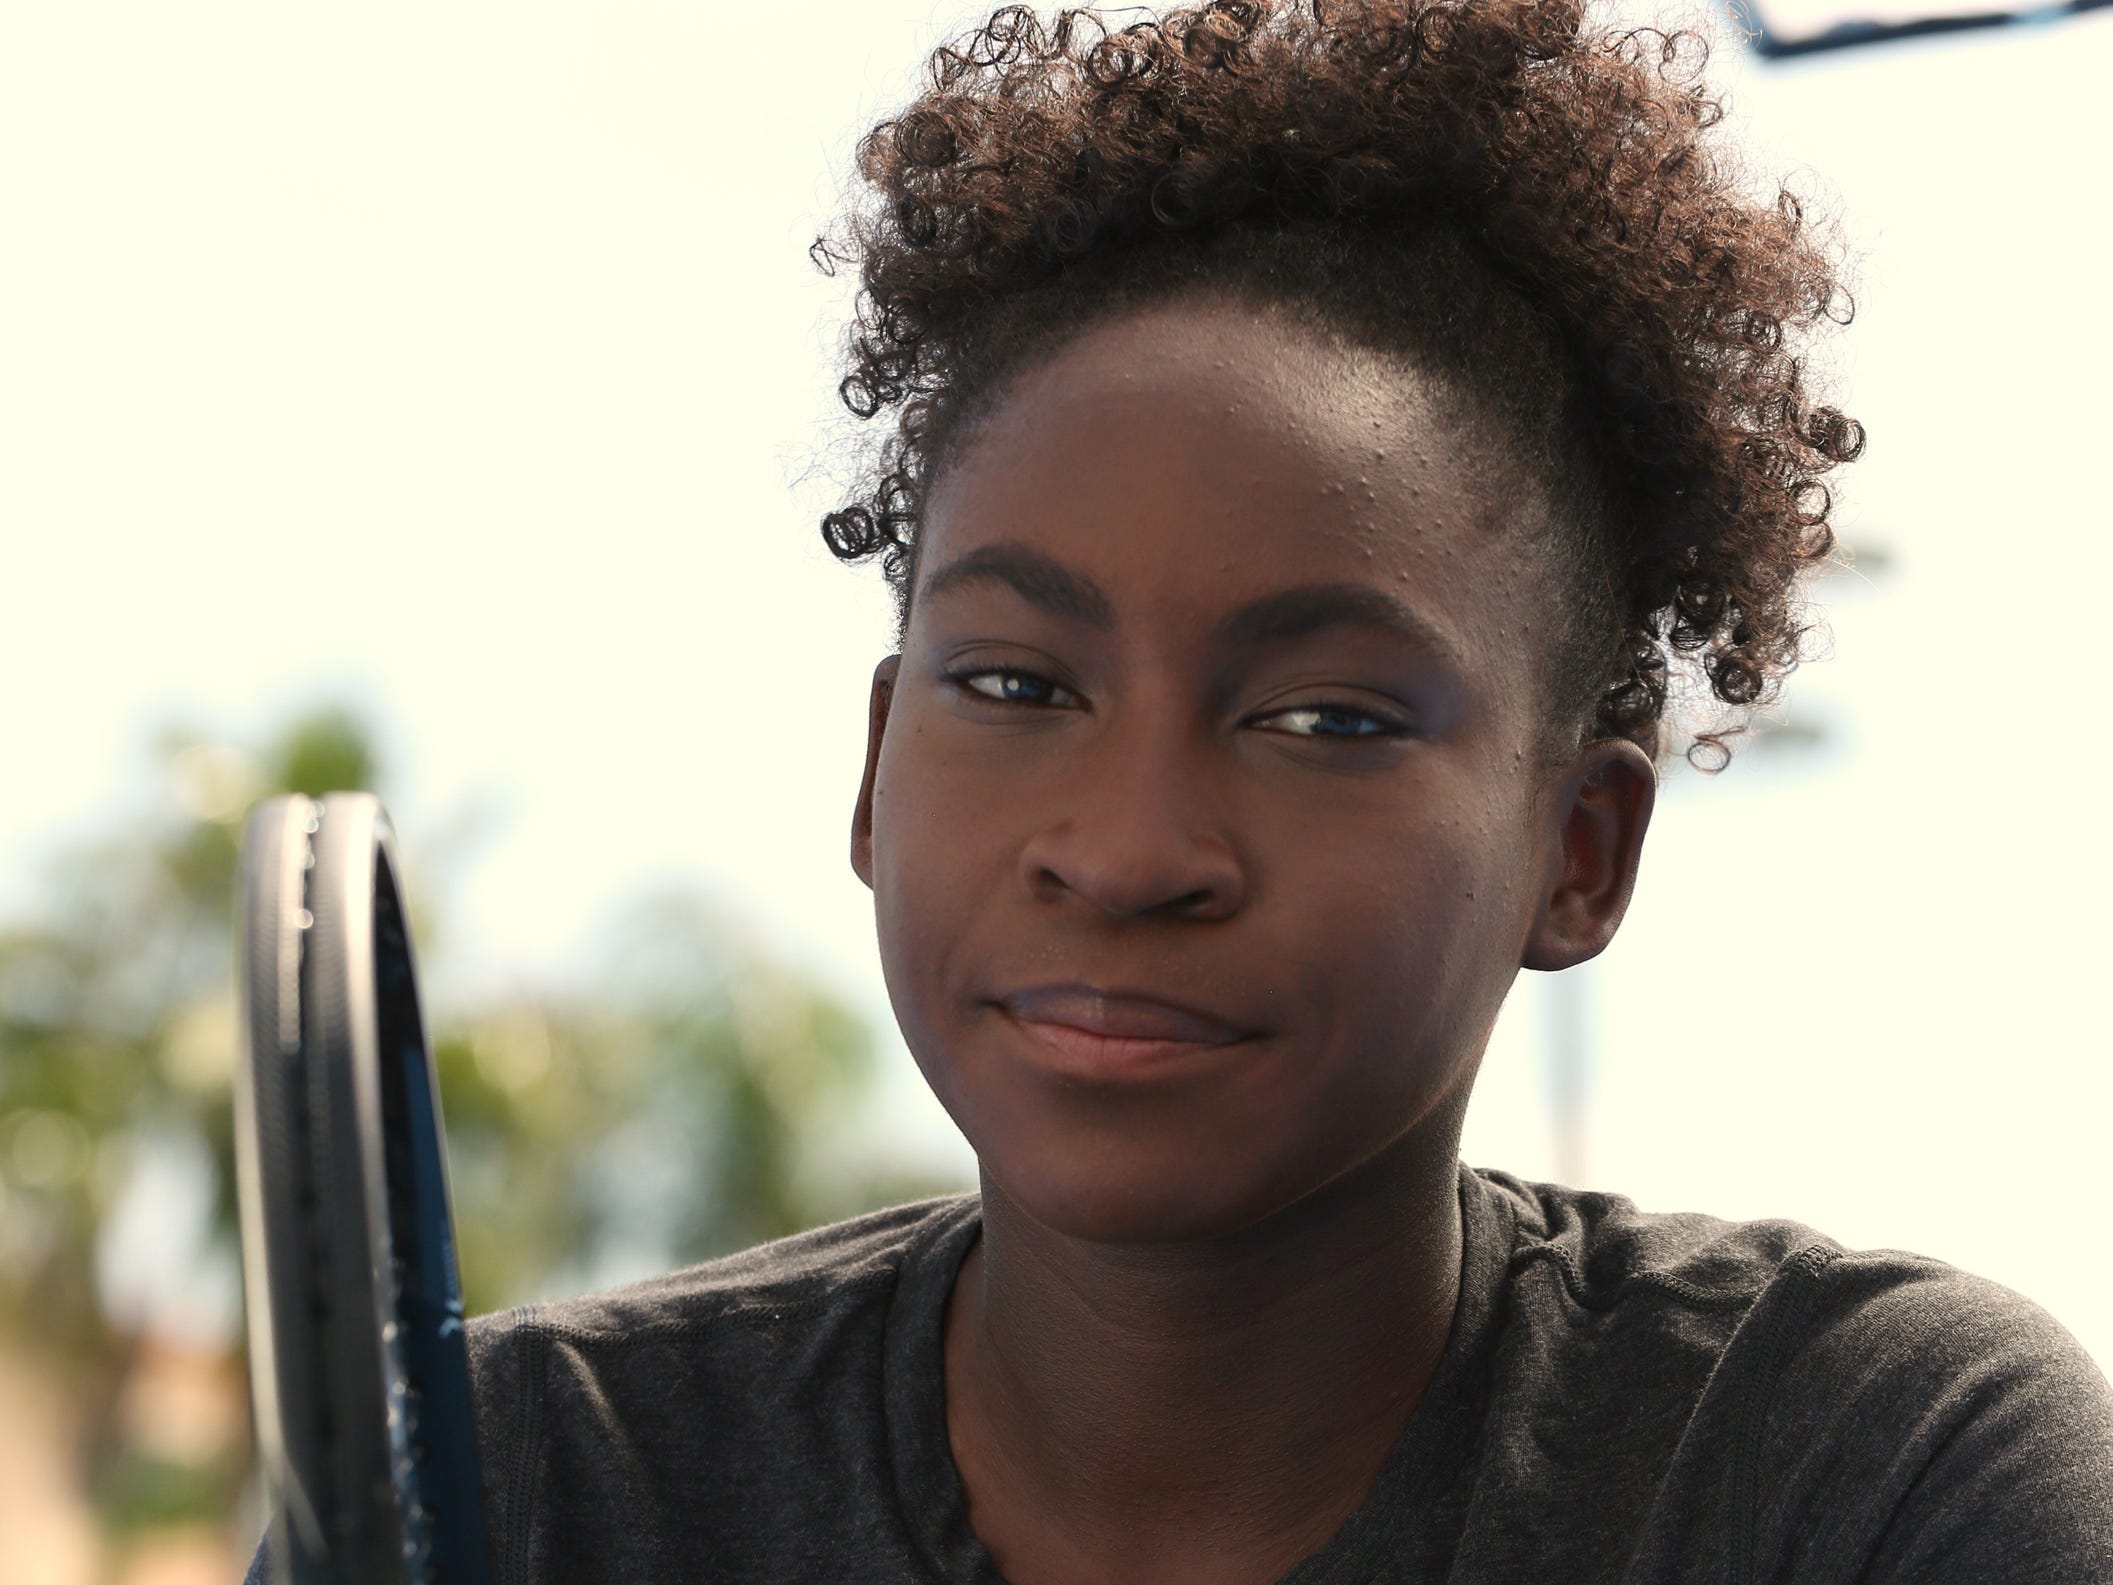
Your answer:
<point x="1623" y="1397"/>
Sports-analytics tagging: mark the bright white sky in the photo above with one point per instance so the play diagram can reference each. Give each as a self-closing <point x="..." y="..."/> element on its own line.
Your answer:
<point x="465" y="362"/>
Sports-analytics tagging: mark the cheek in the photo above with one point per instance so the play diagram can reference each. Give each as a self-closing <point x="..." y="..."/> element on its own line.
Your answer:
<point x="928" y="882"/>
<point x="1407" y="941"/>
<point x="1415" y="948"/>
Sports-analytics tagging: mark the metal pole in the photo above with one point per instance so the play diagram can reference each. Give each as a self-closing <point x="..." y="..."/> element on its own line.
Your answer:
<point x="1566" y="1009"/>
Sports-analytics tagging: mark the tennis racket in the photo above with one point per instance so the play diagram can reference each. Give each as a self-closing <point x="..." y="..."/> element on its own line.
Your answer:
<point x="358" y="1370"/>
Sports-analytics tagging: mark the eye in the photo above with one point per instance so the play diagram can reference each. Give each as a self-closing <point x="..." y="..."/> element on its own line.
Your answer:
<point x="1329" y="719"/>
<point x="1014" y="686"/>
<point x="1335" y="712"/>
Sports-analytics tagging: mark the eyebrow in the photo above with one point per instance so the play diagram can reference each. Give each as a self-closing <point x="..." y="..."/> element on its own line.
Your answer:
<point x="1274" y="620"/>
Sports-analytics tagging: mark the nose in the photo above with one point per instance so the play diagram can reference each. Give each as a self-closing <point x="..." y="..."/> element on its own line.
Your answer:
<point x="1135" y="822"/>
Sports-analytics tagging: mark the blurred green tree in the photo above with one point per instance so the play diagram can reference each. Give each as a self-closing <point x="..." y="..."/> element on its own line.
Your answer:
<point x="706" y="1098"/>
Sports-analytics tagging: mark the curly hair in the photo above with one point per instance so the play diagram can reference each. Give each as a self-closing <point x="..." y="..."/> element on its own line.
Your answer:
<point x="1518" y="200"/>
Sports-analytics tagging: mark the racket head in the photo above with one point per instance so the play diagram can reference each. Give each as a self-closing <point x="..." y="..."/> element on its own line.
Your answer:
<point x="359" y="1373"/>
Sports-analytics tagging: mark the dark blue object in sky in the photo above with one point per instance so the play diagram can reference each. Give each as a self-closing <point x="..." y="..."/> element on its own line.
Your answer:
<point x="1787" y="28"/>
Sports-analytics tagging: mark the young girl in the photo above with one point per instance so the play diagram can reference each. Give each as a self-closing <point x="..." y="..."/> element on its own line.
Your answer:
<point x="1322" y="434"/>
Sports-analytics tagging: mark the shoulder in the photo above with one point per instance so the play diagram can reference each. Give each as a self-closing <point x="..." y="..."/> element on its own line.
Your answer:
<point x="1870" y="1403"/>
<point x="1939" y="1425"/>
<point x="1823" y="1312"/>
<point x="1882" y="1314"/>
<point x="732" y="1314"/>
<point x="608" y="1416"/>
<point x="822" y="1268"/>
<point x="806" y="1269"/>
<point x="1606" y="1252"/>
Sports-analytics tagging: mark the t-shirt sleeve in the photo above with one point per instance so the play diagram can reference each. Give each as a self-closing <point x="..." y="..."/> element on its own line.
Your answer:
<point x="2019" y="1482"/>
<point x="1940" y="1429"/>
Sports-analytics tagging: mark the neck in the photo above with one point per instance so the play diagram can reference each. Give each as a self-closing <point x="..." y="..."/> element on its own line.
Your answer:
<point x="1226" y="1398"/>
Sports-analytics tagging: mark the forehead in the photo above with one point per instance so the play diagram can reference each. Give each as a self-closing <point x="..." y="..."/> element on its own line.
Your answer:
<point x="1204" y="452"/>
<point x="1177" y="380"/>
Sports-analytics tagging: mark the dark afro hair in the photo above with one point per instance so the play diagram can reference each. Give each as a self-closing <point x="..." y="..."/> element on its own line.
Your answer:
<point x="1517" y="200"/>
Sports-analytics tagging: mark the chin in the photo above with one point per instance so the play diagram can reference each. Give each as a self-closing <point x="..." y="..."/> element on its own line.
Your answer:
<point x="1118" y="1195"/>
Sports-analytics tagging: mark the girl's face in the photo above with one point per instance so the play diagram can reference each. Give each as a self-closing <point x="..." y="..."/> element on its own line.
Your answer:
<point x="1222" y="685"/>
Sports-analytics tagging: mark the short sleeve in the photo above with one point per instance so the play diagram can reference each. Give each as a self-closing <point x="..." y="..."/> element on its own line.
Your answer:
<point x="1937" y="1428"/>
<point x="2020" y="1485"/>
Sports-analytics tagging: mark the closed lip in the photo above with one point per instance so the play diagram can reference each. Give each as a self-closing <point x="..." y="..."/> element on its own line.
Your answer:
<point x="1119" y="1014"/>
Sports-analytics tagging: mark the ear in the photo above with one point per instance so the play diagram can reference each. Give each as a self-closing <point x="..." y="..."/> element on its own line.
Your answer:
<point x="1598" y="820"/>
<point x="876" y="723"/>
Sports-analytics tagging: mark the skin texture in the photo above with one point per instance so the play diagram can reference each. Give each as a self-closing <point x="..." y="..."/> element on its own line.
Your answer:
<point x="1207" y="1298"/>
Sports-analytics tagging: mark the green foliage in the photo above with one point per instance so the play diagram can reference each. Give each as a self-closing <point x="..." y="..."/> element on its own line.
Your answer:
<point x="703" y="1099"/>
<point x="140" y="1491"/>
<point x="325" y="752"/>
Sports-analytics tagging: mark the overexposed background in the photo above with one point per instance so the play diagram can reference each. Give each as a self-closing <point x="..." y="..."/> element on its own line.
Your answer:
<point x="465" y="364"/>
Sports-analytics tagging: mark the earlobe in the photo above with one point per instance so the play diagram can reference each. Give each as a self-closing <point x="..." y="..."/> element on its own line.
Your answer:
<point x="1595" y="845"/>
<point x="877" y="703"/>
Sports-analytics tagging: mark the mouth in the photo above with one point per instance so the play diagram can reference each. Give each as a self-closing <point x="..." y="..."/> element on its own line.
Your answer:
<point x="1082" y="1055"/>
<point x="1121" y="1014"/>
